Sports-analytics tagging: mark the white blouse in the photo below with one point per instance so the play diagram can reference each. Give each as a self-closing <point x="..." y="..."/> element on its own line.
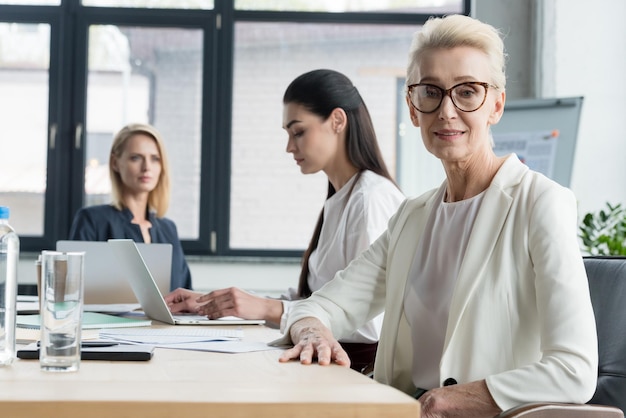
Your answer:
<point x="431" y="283"/>
<point x="352" y="221"/>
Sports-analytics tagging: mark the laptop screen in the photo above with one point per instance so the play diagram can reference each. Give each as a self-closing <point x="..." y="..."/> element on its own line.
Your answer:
<point x="106" y="278"/>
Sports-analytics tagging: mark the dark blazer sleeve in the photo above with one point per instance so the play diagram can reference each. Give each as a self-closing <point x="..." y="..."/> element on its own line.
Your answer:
<point x="83" y="227"/>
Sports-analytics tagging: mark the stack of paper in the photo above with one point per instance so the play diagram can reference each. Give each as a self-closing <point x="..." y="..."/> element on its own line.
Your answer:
<point x="173" y="335"/>
<point x="188" y="338"/>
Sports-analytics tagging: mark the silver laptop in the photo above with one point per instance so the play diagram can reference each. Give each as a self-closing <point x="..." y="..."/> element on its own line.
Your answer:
<point x="151" y="298"/>
<point x="106" y="278"/>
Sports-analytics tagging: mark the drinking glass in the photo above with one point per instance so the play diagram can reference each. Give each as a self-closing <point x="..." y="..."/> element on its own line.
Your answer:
<point x="61" y="311"/>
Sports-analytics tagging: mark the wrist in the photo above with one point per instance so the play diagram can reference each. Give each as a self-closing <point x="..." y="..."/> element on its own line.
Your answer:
<point x="273" y="311"/>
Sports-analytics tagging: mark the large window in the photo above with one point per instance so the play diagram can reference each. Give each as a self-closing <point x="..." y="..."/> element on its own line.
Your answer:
<point x="24" y="79"/>
<point x="147" y="75"/>
<point x="210" y="76"/>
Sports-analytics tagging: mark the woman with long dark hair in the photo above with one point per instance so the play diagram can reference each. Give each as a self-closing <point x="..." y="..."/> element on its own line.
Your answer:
<point x="329" y="130"/>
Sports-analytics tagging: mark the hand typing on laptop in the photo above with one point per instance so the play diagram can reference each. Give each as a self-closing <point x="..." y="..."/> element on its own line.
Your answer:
<point x="225" y="302"/>
<point x="150" y="297"/>
<point x="182" y="301"/>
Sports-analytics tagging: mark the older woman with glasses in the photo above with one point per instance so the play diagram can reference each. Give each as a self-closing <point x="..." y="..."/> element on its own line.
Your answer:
<point x="482" y="283"/>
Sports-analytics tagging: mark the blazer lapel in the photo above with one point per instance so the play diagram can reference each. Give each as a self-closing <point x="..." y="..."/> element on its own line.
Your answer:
<point x="391" y="362"/>
<point x="403" y="244"/>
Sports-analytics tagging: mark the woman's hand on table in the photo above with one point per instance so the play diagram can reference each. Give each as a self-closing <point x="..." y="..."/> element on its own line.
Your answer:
<point x="312" y="340"/>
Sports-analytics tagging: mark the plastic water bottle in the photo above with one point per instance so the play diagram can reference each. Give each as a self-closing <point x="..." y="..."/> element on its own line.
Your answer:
<point x="9" y="255"/>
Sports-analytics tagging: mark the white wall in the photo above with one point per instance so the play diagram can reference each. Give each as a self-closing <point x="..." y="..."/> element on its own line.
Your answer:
<point x="590" y="60"/>
<point x="263" y="278"/>
<point x="579" y="48"/>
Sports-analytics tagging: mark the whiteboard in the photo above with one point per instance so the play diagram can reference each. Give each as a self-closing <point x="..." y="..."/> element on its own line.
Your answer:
<point x="530" y="117"/>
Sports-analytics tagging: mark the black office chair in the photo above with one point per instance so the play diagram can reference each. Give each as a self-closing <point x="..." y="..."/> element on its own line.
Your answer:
<point x="607" y="284"/>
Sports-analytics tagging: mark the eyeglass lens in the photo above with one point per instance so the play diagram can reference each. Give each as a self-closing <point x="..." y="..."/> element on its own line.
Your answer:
<point x="467" y="97"/>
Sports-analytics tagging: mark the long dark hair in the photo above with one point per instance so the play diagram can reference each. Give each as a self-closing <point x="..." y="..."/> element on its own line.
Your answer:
<point x="321" y="92"/>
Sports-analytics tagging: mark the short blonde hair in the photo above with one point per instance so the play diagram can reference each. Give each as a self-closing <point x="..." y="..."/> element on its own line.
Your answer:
<point x="159" y="198"/>
<point x="459" y="30"/>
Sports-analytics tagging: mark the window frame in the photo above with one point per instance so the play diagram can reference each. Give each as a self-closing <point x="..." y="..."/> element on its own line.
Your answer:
<point x="187" y="19"/>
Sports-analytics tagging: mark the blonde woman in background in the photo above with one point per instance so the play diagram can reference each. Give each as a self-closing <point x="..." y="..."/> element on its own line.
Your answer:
<point x="140" y="188"/>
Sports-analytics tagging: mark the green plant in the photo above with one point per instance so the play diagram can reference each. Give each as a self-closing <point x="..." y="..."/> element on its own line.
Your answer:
<point x="604" y="232"/>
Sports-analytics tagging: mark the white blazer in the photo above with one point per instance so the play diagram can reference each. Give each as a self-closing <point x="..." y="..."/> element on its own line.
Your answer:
<point x="520" y="315"/>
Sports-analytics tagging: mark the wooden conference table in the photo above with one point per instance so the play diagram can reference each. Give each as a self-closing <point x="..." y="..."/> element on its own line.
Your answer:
<point x="181" y="383"/>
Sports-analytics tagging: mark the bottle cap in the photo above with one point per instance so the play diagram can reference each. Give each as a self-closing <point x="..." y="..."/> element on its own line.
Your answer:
<point x="4" y="212"/>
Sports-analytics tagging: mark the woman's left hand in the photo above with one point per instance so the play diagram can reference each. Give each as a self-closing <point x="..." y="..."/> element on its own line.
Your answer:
<point x="313" y="341"/>
<point x="182" y="300"/>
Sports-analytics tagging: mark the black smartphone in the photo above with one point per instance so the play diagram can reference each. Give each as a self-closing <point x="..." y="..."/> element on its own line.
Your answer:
<point x="110" y="352"/>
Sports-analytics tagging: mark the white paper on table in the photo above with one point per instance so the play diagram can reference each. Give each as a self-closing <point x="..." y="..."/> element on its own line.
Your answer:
<point x="223" y="346"/>
<point x="173" y="335"/>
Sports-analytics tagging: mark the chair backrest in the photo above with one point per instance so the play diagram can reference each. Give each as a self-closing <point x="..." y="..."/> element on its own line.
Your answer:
<point x="607" y="285"/>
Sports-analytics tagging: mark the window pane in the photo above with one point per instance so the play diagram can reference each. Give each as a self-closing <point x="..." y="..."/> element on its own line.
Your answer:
<point x="147" y="75"/>
<point x="273" y="205"/>
<point x="24" y="65"/>
<point x="152" y="4"/>
<point x="378" y="6"/>
<point x="32" y="2"/>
